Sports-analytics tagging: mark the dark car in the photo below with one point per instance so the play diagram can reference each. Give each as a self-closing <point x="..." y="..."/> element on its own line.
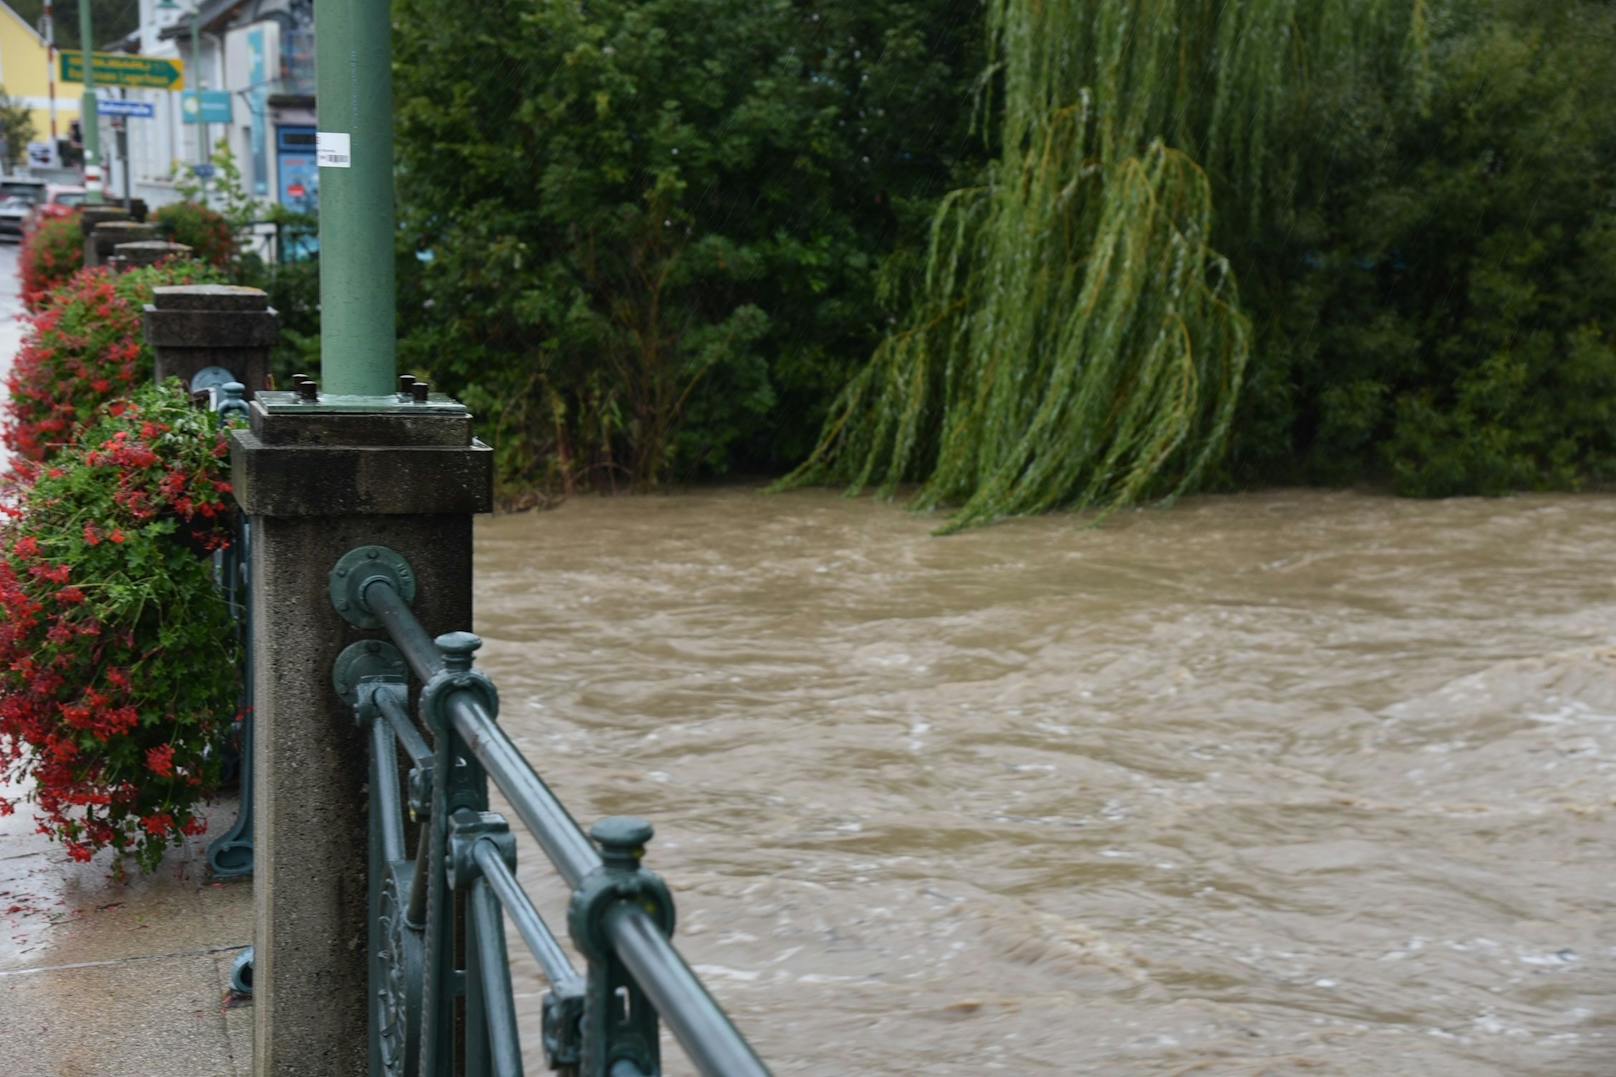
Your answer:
<point x="24" y="187"/>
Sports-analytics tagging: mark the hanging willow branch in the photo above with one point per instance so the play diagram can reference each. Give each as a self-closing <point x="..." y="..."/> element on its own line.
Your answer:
<point x="1079" y="342"/>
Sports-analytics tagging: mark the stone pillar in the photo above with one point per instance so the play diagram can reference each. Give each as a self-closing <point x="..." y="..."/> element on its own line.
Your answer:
<point x="194" y="327"/>
<point x="89" y="218"/>
<point x="318" y="479"/>
<point x="148" y="252"/>
<point x="108" y="235"/>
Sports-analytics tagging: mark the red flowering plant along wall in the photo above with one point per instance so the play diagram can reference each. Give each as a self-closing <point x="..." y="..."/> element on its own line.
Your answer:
<point x="84" y="348"/>
<point x="51" y="253"/>
<point x="117" y="652"/>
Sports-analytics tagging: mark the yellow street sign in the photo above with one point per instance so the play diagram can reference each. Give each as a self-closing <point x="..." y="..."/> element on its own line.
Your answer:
<point x="122" y="69"/>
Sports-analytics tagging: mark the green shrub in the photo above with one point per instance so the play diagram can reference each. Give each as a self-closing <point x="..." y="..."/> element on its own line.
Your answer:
<point x="207" y="233"/>
<point x="645" y="238"/>
<point x="1438" y="305"/>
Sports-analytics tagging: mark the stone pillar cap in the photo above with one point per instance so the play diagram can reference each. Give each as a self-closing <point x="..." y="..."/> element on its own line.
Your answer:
<point x="209" y="297"/>
<point x="90" y="216"/>
<point x="163" y="246"/>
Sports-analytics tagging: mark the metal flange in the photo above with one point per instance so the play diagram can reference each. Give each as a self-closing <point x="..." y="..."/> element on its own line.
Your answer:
<point x="367" y="658"/>
<point x="356" y="570"/>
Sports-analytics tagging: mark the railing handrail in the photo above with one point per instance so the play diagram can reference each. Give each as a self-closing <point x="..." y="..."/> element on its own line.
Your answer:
<point x="463" y="700"/>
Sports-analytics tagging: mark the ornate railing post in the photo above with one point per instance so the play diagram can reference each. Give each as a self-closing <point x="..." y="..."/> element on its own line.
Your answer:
<point x="619" y="1022"/>
<point x="318" y="476"/>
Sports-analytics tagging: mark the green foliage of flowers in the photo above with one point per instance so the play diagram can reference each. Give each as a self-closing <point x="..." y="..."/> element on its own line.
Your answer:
<point x="117" y="652"/>
<point x="85" y="348"/>
<point x="645" y="238"/>
<point x="205" y="231"/>
<point x="51" y="253"/>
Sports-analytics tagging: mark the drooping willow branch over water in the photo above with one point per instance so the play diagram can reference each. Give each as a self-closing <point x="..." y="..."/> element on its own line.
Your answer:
<point x="1078" y="341"/>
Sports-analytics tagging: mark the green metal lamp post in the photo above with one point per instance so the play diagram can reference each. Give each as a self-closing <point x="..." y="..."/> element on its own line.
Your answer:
<point x="355" y="151"/>
<point x="89" y="117"/>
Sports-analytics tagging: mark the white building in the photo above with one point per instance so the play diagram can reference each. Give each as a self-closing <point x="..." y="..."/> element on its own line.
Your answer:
<point x="260" y="52"/>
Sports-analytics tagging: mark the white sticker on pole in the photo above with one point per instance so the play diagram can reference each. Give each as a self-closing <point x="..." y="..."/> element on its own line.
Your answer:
<point x="331" y="149"/>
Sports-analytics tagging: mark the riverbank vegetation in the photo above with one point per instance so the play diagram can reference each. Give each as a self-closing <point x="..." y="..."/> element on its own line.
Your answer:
<point x="1086" y="252"/>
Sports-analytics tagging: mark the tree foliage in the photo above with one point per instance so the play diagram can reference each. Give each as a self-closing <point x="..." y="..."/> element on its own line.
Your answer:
<point x="646" y="237"/>
<point x="16" y="130"/>
<point x="1435" y="301"/>
<point x="1080" y="341"/>
<point x="653" y="239"/>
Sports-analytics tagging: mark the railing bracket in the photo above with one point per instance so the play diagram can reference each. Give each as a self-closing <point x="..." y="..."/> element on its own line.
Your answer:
<point x="457" y="649"/>
<point x="358" y="569"/>
<point x="372" y="660"/>
<point x="466" y="829"/>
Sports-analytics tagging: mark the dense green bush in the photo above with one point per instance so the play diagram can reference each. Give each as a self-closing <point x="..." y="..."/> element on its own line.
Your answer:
<point x="646" y="238"/>
<point x="205" y="231"/>
<point x="653" y="239"/>
<point x="1437" y="305"/>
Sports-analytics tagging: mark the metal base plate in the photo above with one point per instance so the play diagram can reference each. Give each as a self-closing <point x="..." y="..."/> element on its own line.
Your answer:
<point x="358" y="567"/>
<point x="367" y="658"/>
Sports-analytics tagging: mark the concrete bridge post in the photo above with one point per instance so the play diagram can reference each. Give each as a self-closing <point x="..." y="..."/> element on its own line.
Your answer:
<point x="89" y="218"/>
<point x="107" y="235"/>
<point x="317" y="481"/>
<point x="147" y="253"/>
<point x="218" y="328"/>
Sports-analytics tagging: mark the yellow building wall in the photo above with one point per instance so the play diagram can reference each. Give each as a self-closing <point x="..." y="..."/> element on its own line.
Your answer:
<point x="25" y="73"/>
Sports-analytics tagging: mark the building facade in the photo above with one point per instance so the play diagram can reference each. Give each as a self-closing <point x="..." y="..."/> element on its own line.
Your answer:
<point x="256" y="55"/>
<point x="29" y="74"/>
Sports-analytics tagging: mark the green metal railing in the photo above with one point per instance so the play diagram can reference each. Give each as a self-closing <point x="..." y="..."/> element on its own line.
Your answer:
<point x="440" y="979"/>
<point x="230" y="855"/>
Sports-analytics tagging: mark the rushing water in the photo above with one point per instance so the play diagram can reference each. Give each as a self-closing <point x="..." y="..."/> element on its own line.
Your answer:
<point x="1292" y="782"/>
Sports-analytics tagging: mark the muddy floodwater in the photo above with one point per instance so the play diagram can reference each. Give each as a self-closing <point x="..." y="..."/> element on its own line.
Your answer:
<point x="1280" y="783"/>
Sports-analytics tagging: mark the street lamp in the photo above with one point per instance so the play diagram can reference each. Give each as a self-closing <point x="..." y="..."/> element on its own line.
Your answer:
<point x="89" y="119"/>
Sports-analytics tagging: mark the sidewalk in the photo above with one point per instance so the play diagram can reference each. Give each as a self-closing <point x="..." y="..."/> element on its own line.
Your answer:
<point x="102" y="979"/>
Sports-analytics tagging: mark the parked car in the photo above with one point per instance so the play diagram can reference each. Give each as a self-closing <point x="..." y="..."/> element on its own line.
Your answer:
<point x="60" y="200"/>
<point x="15" y="214"/>
<point x="28" y="188"/>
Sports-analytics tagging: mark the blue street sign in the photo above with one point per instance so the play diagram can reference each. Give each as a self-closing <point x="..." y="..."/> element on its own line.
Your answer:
<point x="113" y="106"/>
<point x="202" y="172"/>
<point x="206" y="106"/>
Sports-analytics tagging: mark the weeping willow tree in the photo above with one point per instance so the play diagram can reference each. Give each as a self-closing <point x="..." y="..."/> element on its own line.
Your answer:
<point x="1078" y="341"/>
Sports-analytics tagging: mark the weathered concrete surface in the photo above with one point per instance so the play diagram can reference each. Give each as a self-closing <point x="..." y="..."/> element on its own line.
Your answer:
<point x="109" y="235"/>
<point x="310" y="974"/>
<point x="102" y="978"/>
<point x="89" y="218"/>
<point x="149" y="252"/>
<point x="194" y="326"/>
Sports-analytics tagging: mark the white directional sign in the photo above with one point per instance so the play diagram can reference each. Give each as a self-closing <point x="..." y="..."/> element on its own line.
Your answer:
<point x="114" y="107"/>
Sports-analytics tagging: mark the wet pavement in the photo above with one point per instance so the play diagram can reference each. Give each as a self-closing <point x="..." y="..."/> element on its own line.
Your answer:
<point x="100" y="978"/>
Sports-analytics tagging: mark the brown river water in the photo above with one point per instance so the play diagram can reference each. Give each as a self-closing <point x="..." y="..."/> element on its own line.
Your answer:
<point x="1293" y="782"/>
